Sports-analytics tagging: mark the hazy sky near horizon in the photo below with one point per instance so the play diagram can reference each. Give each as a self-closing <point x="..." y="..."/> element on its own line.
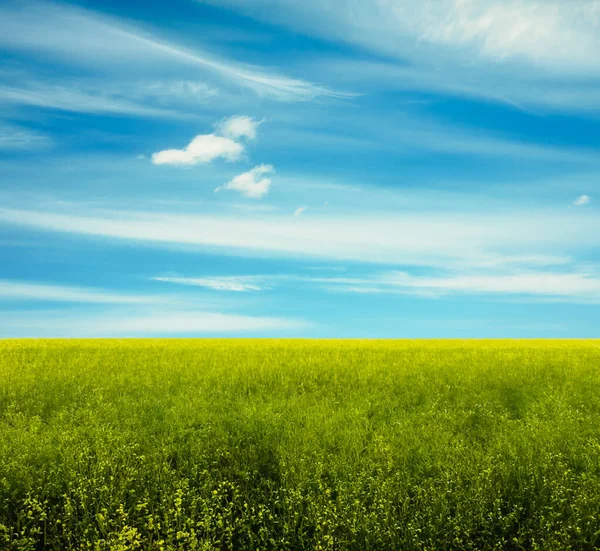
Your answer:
<point x="300" y="168"/>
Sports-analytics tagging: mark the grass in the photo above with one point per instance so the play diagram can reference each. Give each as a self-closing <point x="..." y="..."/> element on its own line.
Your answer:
<point x="195" y="444"/>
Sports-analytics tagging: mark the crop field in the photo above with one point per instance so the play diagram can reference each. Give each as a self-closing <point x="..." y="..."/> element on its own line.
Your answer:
<point x="260" y="444"/>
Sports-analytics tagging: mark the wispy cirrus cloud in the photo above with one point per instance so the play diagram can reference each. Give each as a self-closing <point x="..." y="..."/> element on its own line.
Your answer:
<point x="105" y="314"/>
<point x="545" y="285"/>
<point x="238" y="284"/>
<point x="548" y="285"/>
<point x="529" y="53"/>
<point x="109" y="45"/>
<point x="18" y="290"/>
<point x="442" y="239"/>
<point x="140" y="323"/>
<point x="18" y="138"/>
<point x="81" y="98"/>
<point x="549" y="34"/>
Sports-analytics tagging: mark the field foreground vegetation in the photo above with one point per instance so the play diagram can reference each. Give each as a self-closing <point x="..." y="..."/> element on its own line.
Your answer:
<point x="238" y="444"/>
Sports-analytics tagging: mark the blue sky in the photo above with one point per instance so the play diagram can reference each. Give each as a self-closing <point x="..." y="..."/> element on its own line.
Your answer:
<point x="294" y="168"/>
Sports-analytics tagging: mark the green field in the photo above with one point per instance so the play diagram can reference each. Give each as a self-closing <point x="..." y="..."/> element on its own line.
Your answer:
<point x="239" y="444"/>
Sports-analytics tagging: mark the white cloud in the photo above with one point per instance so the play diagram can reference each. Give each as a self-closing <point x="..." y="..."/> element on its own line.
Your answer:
<point x="88" y="39"/>
<point x="202" y="149"/>
<point x="16" y="290"/>
<point x="127" y="323"/>
<point x="224" y="283"/>
<point x="549" y="34"/>
<point x="535" y="52"/>
<point x="74" y="98"/>
<point x="581" y="200"/>
<point x="239" y="126"/>
<point x="528" y="30"/>
<point x="298" y="212"/>
<point x="550" y="285"/>
<point x="129" y="315"/>
<point x="252" y="184"/>
<point x="443" y="239"/>
<point x="120" y="95"/>
<point x="18" y="138"/>
<point x="206" y="147"/>
<point x="534" y="283"/>
<point x="199" y="322"/>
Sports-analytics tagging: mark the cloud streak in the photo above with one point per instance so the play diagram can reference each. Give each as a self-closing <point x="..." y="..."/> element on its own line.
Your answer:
<point x="18" y="138"/>
<point x="74" y="98"/>
<point x="548" y="34"/>
<point x="534" y="52"/>
<point x="551" y="285"/>
<point x="538" y="284"/>
<point x="110" y="314"/>
<point x="85" y="38"/>
<point x="431" y="238"/>
<point x="155" y="322"/>
<point x="18" y="291"/>
<point x="238" y="284"/>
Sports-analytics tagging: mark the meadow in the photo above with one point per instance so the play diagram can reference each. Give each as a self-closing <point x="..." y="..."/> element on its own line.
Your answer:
<point x="260" y="444"/>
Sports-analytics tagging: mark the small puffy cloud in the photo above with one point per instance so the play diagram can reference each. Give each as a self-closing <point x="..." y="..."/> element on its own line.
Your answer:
<point x="252" y="184"/>
<point x="299" y="211"/>
<point x="202" y="149"/>
<point x="581" y="200"/>
<point x="239" y="126"/>
<point x="224" y="143"/>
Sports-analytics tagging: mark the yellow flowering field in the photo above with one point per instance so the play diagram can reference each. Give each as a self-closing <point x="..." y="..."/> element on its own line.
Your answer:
<point x="299" y="444"/>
